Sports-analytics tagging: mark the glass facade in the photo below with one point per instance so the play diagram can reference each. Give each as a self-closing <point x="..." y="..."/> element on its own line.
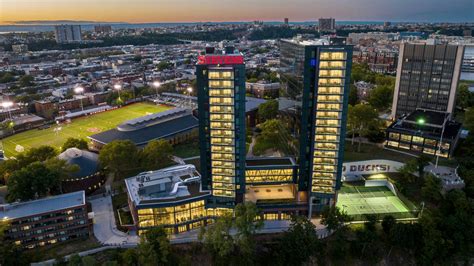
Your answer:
<point x="222" y="131"/>
<point x="329" y="94"/>
<point x="170" y="216"/>
<point x="269" y="176"/>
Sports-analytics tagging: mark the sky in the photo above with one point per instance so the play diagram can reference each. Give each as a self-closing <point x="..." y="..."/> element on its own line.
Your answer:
<point x="142" y="11"/>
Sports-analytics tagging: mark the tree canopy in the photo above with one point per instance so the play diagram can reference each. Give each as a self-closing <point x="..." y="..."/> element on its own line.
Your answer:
<point x="75" y="143"/>
<point x="268" y="110"/>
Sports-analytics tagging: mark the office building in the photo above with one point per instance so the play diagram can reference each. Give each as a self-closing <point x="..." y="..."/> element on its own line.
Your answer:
<point x="286" y="22"/>
<point x="47" y="221"/>
<point x="327" y="25"/>
<point x="67" y="33"/>
<point x="427" y="77"/>
<point x="221" y="104"/>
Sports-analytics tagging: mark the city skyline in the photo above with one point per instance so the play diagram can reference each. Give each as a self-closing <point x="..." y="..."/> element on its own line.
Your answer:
<point x="147" y="11"/>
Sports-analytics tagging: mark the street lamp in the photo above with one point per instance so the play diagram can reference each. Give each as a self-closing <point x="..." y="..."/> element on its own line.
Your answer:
<point x="80" y="90"/>
<point x="446" y="117"/>
<point x="156" y="84"/>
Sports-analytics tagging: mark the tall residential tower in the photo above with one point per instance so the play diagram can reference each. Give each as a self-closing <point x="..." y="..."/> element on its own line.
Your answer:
<point x="221" y="103"/>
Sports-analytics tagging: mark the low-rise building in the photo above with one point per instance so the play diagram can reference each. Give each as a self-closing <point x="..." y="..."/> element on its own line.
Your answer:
<point x="171" y="197"/>
<point x="424" y="131"/>
<point x="47" y="221"/>
<point x="176" y="125"/>
<point x="263" y="90"/>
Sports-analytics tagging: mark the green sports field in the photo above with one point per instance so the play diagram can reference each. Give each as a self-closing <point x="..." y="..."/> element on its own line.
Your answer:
<point x="357" y="201"/>
<point x="79" y="127"/>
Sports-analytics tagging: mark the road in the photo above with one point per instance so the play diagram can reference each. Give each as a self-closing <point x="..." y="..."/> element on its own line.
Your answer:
<point x="105" y="229"/>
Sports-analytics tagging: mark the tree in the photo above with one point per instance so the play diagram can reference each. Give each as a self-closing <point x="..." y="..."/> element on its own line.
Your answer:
<point x="333" y="218"/>
<point x="75" y="260"/>
<point x="360" y="118"/>
<point x="39" y="154"/>
<point x="217" y="238"/>
<point x="387" y="223"/>
<point x="31" y="182"/>
<point x="129" y="257"/>
<point x="26" y="81"/>
<point x="164" y="65"/>
<point x="62" y="169"/>
<point x="159" y="242"/>
<point x="6" y="78"/>
<point x="88" y="261"/>
<point x="371" y="222"/>
<point x="469" y="119"/>
<point x="381" y="97"/>
<point x="299" y="243"/>
<point x="81" y="144"/>
<point x="246" y="225"/>
<point x="353" y="97"/>
<point x="120" y="157"/>
<point x="268" y="110"/>
<point x="156" y="154"/>
<point x="464" y="98"/>
<point x="274" y="135"/>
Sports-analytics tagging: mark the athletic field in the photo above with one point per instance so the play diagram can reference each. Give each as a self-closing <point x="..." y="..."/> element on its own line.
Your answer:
<point x="79" y="127"/>
<point x="357" y="201"/>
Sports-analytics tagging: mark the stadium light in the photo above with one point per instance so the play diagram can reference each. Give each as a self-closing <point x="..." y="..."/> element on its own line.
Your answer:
<point x="80" y="90"/>
<point x="156" y="84"/>
<point x="117" y="86"/>
<point x="190" y="89"/>
<point x="7" y="104"/>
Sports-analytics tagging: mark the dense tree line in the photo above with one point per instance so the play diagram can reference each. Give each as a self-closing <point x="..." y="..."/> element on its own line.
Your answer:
<point x="278" y="32"/>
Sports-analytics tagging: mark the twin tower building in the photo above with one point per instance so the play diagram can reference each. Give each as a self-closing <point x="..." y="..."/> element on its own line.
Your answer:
<point x="319" y="71"/>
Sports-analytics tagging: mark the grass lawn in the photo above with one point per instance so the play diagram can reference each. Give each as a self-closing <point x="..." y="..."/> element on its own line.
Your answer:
<point x="371" y="152"/>
<point x="63" y="249"/>
<point x="79" y="127"/>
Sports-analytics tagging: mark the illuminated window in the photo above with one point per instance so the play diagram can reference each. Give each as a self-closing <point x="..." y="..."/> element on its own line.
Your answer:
<point x="394" y="136"/>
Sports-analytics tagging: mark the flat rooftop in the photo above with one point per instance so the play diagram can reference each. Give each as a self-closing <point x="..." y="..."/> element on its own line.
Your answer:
<point x="45" y="205"/>
<point x="270" y="192"/>
<point x="166" y="185"/>
<point x="307" y="42"/>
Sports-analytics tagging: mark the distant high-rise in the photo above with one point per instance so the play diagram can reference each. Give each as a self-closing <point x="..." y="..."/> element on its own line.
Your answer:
<point x="327" y="25"/>
<point x="221" y="106"/>
<point x="102" y="28"/>
<point x="67" y="33"/>
<point x="286" y="21"/>
<point x="427" y="77"/>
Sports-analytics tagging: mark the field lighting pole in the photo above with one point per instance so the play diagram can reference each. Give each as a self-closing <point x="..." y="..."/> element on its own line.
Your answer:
<point x="118" y="87"/>
<point x="189" y="89"/>
<point x="7" y="105"/>
<point x="441" y="140"/>
<point x="80" y="90"/>
<point x="156" y="84"/>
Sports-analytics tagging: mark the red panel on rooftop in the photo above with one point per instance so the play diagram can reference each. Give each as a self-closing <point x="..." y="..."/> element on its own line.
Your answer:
<point x="220" y="60"/>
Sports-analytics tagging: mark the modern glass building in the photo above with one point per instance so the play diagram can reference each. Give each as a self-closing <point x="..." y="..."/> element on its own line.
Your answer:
<point x="221" y="105"/>
<point x="427" y="78"/>
<point x="323" y="122"/>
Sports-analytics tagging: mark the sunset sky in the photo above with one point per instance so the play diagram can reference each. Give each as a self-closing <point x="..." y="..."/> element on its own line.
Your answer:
<point x="136" y="11"/>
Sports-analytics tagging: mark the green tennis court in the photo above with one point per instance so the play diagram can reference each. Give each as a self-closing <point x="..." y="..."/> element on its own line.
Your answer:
<point x="358" y="201"/>
<point x="81" y="127"/>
